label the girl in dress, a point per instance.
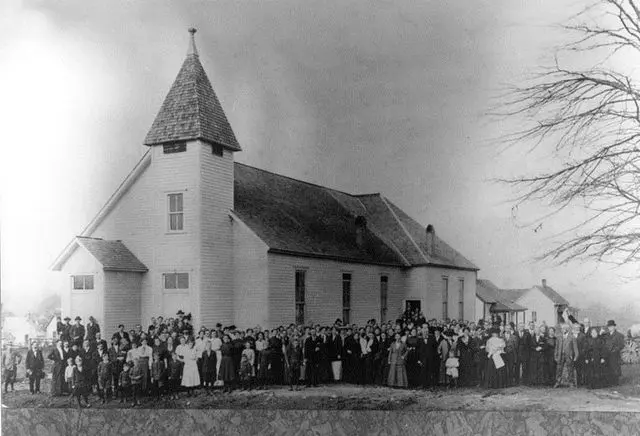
(396, 360)
(452, 365)
(251, 359)
(209, 365)
(190, 376)
(227, 371)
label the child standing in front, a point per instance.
(137, 373)
(104, 378)
(175, 376)
(250, 355)
(158, 375)
(124, 383)
(452, 365)
(68, 376)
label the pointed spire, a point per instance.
(192, 110)
(192, 43)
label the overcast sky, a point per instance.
(365, 96)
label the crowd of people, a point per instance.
(170, 358)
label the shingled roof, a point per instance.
(501, 299)
(192, 110)
(552, 295)
(296, 217)
(112, 255)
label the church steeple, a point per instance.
(191, 109)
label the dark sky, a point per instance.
(364, 96)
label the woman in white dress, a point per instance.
(190, 376)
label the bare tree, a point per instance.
(590, 120)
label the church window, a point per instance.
(217, 149)
(300, 295)
(82, 282)
(384, 291)
(176, 212)
(176, 280)
(346, 298)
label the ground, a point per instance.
(625, 397)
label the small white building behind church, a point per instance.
(191, 229)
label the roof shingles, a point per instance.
(192, 111)
(112, 255)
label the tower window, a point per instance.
(217, 149)
(176, 147)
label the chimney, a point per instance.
(361, 230)
(544, 283)
(431, 240)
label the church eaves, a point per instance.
(191, 109)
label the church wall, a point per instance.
(140, 220)
(323, 299)
(122, 301)
(251, 279)
(217, 236)
(83, 303)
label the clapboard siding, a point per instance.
(426, 284)
(216, 245)
(323, 300)
(535, 301)
(251, 281)
(81, 262)
(122, 301)
(140, 220)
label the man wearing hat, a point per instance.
(77, 332)
(65, 330)
(613, 345)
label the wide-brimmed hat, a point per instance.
(611, 323)
(78, 318)
(180, 312)
(67, 318)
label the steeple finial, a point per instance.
(192, 44)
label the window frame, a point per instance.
(445, 297)
(177, 275)
(84, 282)
(347, 279)
(534, 316)
(176, 213)
(460, 299)
(300, 289)
(384, 297)
(174, 147)
(217, 150)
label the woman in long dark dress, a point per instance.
(496, 369)
(594, 360)
(383, 352)
(549, 359)
(413, 370)
(466, 352)
(536, 358)
(227, 368)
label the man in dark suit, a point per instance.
(428, 360)
(566, 354)
(334, 354)
(65, 330)
(581, 341)
(613, 345)
(311, 358)
(121, 333)
(35, 368)
(524, 348)
(77, 332)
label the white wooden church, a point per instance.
(191, 229)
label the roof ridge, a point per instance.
(294, 179)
